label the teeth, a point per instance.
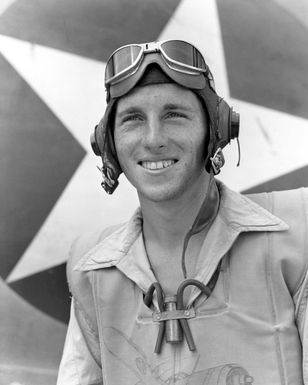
(157, 165)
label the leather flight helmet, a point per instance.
(222, 120)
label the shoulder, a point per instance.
(79, 248)
(289, 248)
(85, 242)
(290, 205)
(286, 202)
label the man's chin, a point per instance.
(159, 194)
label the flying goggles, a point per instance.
(180, 60)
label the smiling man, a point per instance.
(202, 285)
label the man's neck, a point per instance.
(165, 225)
(168, 222)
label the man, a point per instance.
(202, 285)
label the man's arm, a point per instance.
(301, 314)
(81, 360)
(77, 367)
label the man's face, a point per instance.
(159, 136)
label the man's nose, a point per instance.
(154, 135)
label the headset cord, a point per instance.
(205, 217)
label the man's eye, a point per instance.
(175, 114)
(130, 118)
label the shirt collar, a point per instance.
(243, 214)
(236, 214)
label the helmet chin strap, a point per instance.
(204, 218)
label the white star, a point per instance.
(4, 5)
(73, 89)
(272, 142)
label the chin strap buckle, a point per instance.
(217, 160)
(109, 184)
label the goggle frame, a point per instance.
(155, 47)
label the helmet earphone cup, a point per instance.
(102, 144)
(222, 123)
(224, 127)
(94, 143)
(228, 123)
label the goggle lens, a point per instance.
(121, 60)
(184, 53)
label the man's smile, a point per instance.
(157, 165)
